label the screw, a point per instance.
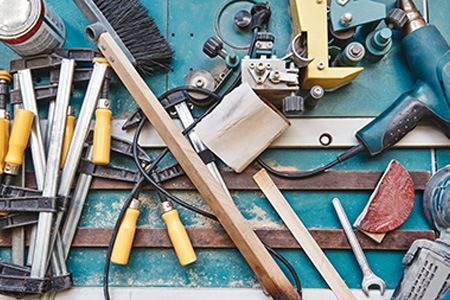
(260, 68)
(346, 19)
(317, 92)
(232, 58)
(321, 66)
(200, 82)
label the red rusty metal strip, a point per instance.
(358, 180)
(398, 240)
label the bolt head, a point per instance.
(321, 65)
(346, 19)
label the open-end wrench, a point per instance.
(369, 278)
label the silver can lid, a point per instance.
(18, 17)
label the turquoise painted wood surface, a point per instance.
(187, 24)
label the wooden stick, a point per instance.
(259, 259)
(302, 235)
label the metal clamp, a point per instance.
(15, 281)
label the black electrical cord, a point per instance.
(197, 210)
(133, 194)
(164, 193)
(138, 186)
(304, 174)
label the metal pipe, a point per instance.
(44, 228)
(50, 116)
(69, 171)
(186, 119)
(36, 141)
(76, 208)
(18, 234)
(25, 82)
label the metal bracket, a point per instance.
(18, 220)
(15, 281)
(122, 147)
(10, 191)
(53, 61)
(34, 204)
(122, 174)
(48, 92)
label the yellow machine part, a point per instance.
(310, 17)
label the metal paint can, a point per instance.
(30, 27)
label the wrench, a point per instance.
(369, 278)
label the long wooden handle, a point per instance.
(264, 266)
(302, 235)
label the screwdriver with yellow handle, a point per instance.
(5, 79)
(68, 133)
(102, 130)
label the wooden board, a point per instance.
(259, 259)
(399, 240)
(333, 180)
(301, 234)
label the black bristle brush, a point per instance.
(135, 29)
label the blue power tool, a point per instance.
(428, 56)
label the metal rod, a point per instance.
(69, 171)
(82, 128)
(186, 119)
(43, 246)
(51, 113)
(37, 144)
(18, 234)
(76, 208)
(426, 11)
(36, 140)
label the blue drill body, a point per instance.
(428, 56)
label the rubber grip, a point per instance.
(20, 134)
(180, 239)
(102, 137)
(125, 236)
(393, 124)
(4, 139)
(68, 133)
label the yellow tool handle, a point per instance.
(70, 126)
(4, 140)
(20, 134)
(125, 236)
(102, 137)
(179, 238)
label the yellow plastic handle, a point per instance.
(20, 134)
(179, 238)
(4, 140)
(70, 126)
(102, 137)
(125, 236)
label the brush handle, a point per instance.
(245, 239)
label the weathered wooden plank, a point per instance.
(398, 240)
(334, 180)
